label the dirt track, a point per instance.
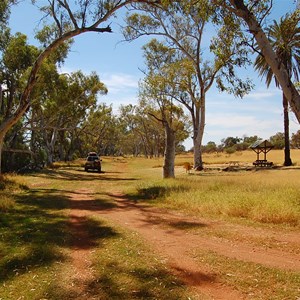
(162, 230)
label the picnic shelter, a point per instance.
(262, 146)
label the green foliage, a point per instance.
(144, 22)
(230, 141)
(18, 55)
(141, 131)
(295, 140)
(209, 147)
(5, 6)
(277, 140)
(284, 37)
(100, 131)
(63, 103)
(230, 144)
(16, 60)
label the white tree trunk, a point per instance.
(279, 70)
(199, 125)
(169, 157)
(198, 164)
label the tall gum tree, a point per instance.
(62, 106)
(284, 37)
(182, 26)
(69, 22)
(159, 90)
(253, 12)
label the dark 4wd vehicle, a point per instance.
(93, 162)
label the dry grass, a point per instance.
(9, 185)
(248, 156)
(254, 280)
(264, 196)
(6, 203)
(32, 261)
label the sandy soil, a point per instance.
(162, 230)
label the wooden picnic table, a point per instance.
(262, 163)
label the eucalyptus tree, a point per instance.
(159, 89)
(253, 13)
(66, 21)
(182, 25)
(141, 135)
(16, 57)
(99, 131)
(284, 37)
(63, 102)
(132, 138)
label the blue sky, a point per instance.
(118, 64)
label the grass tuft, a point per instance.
(160, 189)
(6, 203)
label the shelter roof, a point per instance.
(261, 144)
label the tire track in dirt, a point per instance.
(176, 246)
(174, 252)
(81, 246)
(148, 220)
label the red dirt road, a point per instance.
(162, 230)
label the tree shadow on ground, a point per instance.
(155, 192)
(60, 199)
(73, 175)
(34, 232)
(142, 281)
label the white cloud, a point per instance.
(263, 94)
(118, 83)
(222, 125)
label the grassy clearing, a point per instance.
(10, 185)
(263, 197)
(247, 156)
(254, 280)
(35, 243)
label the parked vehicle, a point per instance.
(93, 162)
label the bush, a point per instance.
(14, 162)
(230, 150)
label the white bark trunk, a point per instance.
(278, 69)
(169, 157)
(199, 125)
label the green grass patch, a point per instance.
(33, 236)
(254, 280)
